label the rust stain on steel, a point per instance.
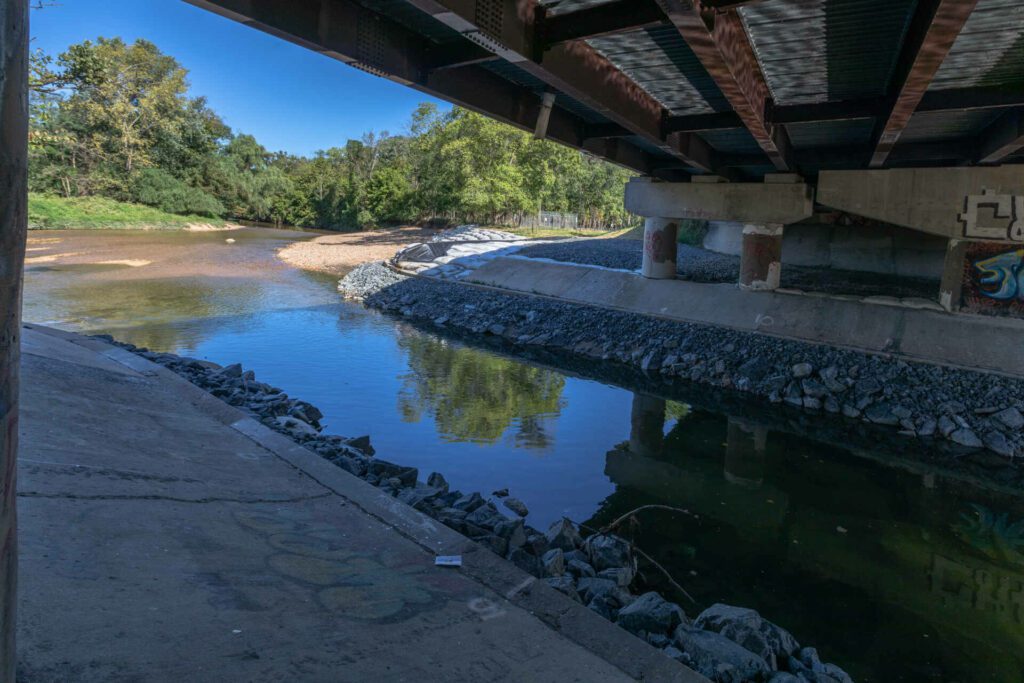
(949, 18)
(720, 42)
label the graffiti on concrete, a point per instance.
(994, 280)
(1007, 216)
(1000, 276)
(658, 243)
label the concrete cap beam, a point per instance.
(779, 203)
(969, 202)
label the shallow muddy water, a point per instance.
(896, 573)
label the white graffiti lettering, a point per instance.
(1006, 209)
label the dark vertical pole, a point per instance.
(13, 223)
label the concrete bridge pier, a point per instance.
(745, 446)
(761, 257)
(647, 425)
(660, 240)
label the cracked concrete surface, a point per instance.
(166, 537)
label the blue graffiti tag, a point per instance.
(1001, 276)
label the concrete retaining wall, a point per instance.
(880, 325)
(874, 249)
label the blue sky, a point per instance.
(290, 98)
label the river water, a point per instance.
(893, 571)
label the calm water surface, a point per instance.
(896, 575)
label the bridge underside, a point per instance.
(763, 113)
(674, 88)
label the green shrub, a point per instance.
(158, 188)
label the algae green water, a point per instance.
(895, 573)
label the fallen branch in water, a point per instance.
(631, 516)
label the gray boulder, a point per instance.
(580, 569)
(652, 613)
(517, 506)
(563, 534)
(590, 588)
(553, 562)
(564, 584)
(469, 503)
(718, 658)
(608, 552)
(747, 628)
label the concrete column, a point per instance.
(761, 258)
(647, 425)
(13, 223)
(953, 275)
(660, 248)
(745, 453)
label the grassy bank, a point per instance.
(47, 212)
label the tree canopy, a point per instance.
(116, 120)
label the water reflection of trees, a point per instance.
(475, 396)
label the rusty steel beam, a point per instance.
(512, 30)
(348, 32)
(1003, 138)
(933, 30)
(961, 99)
(602, 20)
(720, 42)
(14, 40)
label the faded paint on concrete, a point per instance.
(168, 537)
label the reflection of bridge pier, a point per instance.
(647, 425)
(745, 453)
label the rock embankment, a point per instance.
(725, 643)
(962, 409)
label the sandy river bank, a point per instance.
(340, 253)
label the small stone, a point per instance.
(946, 425)
(997, 442)
(1011, 417)
(517, 506)
(801, 370)
(850, 411)
(811, 403)
(500, 493)
(926, 427)
(813, 388)
(881, 413)
(966, 437)
(867, 387)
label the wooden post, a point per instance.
(13, 223)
